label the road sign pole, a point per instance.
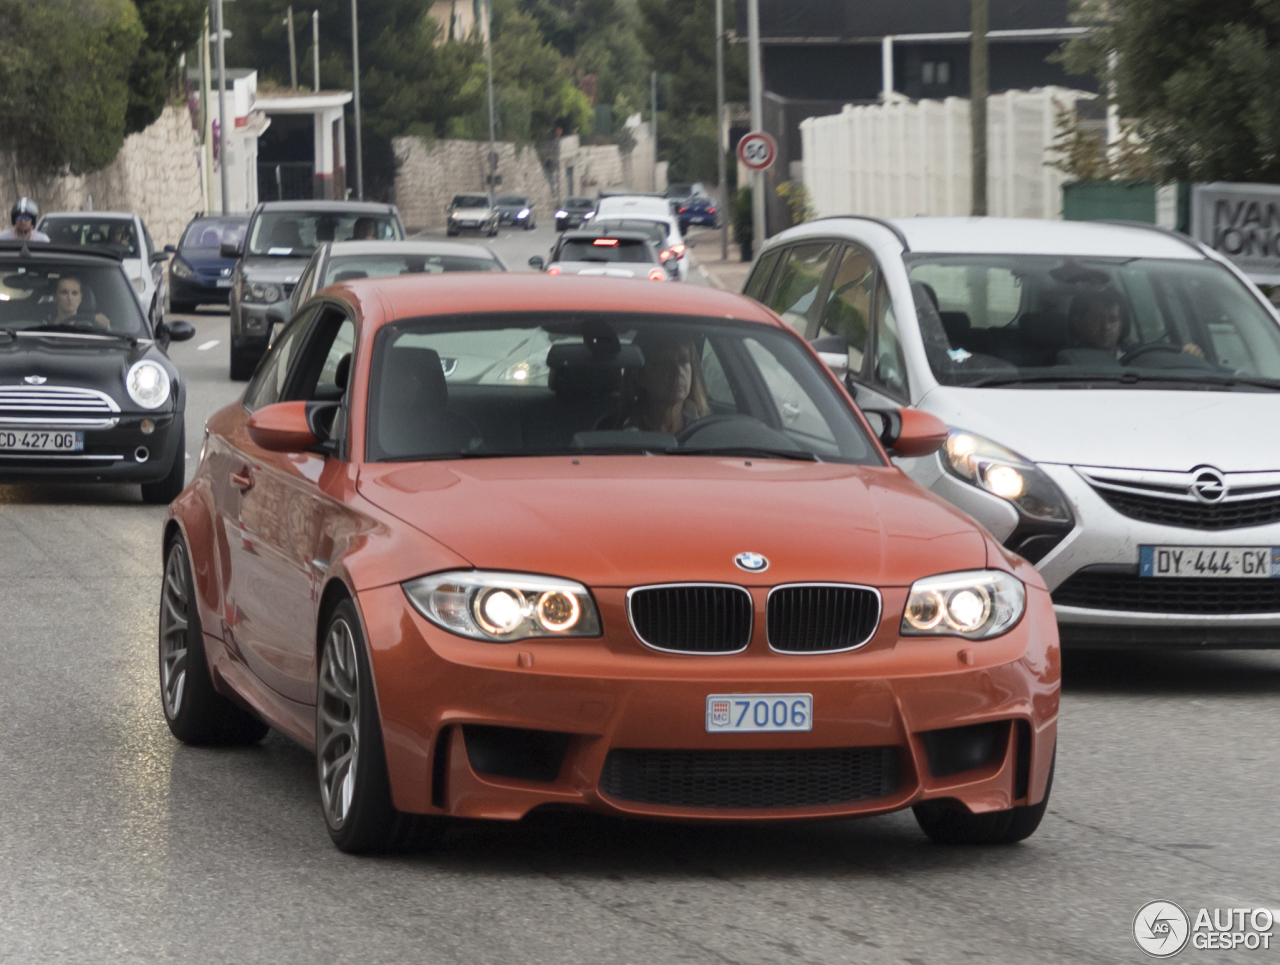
(757, 120)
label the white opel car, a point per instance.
(126, 235)
(1113, 394)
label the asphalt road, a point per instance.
(117, 844)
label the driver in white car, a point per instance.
(1097, 320)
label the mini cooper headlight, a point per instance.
(976, 605)
(504, 607)
(181, 269)
(982, 463)
(148, 384)
(255, 292)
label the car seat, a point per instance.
(350, 274)
(285, 234)
(413, 414)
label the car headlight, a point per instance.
(982, 463)
(975, 605)
(181, 270)
(504, 607)
(562, 214)
(148, 384)
(523, 213)
(255, 292)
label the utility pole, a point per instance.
(293, 52)
(355, 74)
(721, 147)
(315, 50)
(222, 111)
(979, 87)
(488, 59)
(757, 120)
(206, 118)
(653, 127)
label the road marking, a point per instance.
(209, 344)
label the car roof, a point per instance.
(1020, 236)
(35, 249)
(94, 215)
(413, 296)
(339, 248)
(368, 207)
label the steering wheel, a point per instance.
(1142, 350)
(719, 418)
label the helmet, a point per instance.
(24, 206)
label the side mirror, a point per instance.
(229, 249)
(171, 249)
(177, 330)
(536, 262)
(908, 432)
(282, 427)
(834, 352)
(160, 256)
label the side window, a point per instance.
(796, 410)
(795, 293)
(334, 375)
(890, 363)
(848, 309)
(760, 276)
(719, 392)
(151, 245)
(269, 381)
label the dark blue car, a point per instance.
(696, 209)
(198, 274)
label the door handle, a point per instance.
(243, 480)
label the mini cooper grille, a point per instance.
(692, 618)
(750, 779)
(812, 619)
(1109, 590)
(1233, 514)
(56, 405)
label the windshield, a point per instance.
(655, 231)
(679, 190)
(580, 204)
(347, 267)
(95, 299)
(607, 250)
(470, 201)
(1006, 320)
(114, 234)
(212, 232)
(538, 384)
(513, 200)
(295, 234)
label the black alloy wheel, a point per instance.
(195, 712)
(164, 491)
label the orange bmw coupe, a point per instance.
(490, 545)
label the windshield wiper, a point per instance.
(759, 452)
(1125, 378)
(78, 330)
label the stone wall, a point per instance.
(156, 174)
(430, 174)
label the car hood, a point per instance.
(635, 520)
(274, 268)
(93, 363)
(471, 212)
(1120, 428)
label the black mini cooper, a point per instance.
(86, 389)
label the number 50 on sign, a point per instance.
(757, 150)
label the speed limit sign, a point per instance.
(758, 150)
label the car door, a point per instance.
(267, 522)
(845, 321)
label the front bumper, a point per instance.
(250, 329)
(437, 691)
(110, 455)
(198, 291)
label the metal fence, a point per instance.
(286, 181)
(906, 158)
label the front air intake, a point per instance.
(692, 617)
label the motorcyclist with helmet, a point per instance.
(23, 216)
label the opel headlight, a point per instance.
(976, 605)
(982, 463)
(181, 270)
(504, 607)
(255, 292)
(148, 384)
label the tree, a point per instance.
(172, 27)
(64, 68)
(1194, 75)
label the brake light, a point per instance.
(606, 242)
(553, 270)
(656, 274)
(684, 208)
(678, 250)
(711, 211)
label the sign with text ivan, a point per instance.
(1242, 222)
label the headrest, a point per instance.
(210, 238)
(414, 377)
(285, 234)
(957, 326)
(342, 374)
(350, 274)
(1046, 328)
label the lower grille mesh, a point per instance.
(750, 779)
(1109, 590)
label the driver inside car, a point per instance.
(67, 299)
(668, 393)
(1097, 322)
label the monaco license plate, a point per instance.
(741, 713)
(1210, 562)
(39, 440)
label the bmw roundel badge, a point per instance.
(751, 562)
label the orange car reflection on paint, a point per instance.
(490, 546)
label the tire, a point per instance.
(451, 232)
(493, 232)
(165, 491)
(242, 365)
(195, 712)
(948, 822)
(351, 763)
